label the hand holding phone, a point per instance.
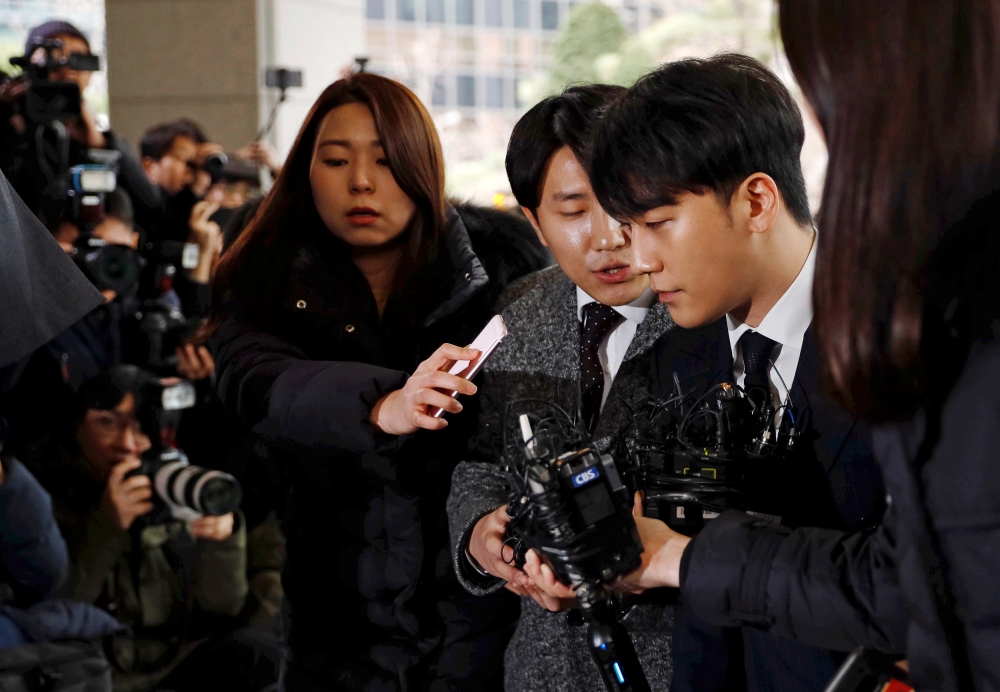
(486, 343)
(435, 385)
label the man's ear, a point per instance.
(147, 165)
(758, 202)
(534, 224)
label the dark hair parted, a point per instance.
(908, 96)
(159, 139)
(566, 120)
(253, 272)
(699, 126)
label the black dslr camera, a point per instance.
(224, 167)
(567, 502)
(153, 333)
(181, 491)
(695, 456)
(78, 195)
(46, 100)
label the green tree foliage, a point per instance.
(592, 45)
(593, 30)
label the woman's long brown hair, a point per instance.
(252, 274)
(908, 96)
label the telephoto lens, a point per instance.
(205, 491)
(182, 491)
(216, 163)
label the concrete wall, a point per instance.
(193, 58)
(205, 59)
(320, 37)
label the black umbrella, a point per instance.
(41, 291)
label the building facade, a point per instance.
(471, 62)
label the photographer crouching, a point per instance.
(129, 509)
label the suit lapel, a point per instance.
(831, 424)
(632, 383)
(656, 324)
(698, 357)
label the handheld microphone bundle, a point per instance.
(694, 456)
(567, 502)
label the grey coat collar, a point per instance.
(551, 309)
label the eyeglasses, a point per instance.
(109, 424)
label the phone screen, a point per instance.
(486, 343)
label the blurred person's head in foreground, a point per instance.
(73, 43)
(366, 171)
(701, 160)
(546, 164)
(908, 100)
(172, 154)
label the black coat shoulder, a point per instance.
(506, 244)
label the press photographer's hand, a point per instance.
(85, 130)
(207, 234)
(404, 411)
(213, 528)
(126, 499)
(194, 362)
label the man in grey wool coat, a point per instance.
(580, 336)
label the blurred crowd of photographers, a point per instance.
(101, 413)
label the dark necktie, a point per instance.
(756, 356)
(598, 320)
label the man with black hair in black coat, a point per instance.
(701, 159)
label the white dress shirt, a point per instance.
(786, 323)
(614, 346)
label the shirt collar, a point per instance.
(789, 318)
(634, 311)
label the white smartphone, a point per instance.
(486, 343)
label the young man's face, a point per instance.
(592, 249)
(697, 257)
(176, 170)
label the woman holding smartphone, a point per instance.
(336, 311)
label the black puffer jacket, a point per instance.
(926, 583)
(373, 600)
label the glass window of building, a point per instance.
(494, 92)
(406, 10)
(522, 14)
(439, 93)
(435, 10)
(550, 14)
(376, 9)
(465, 91)
(494, 13)
(464, 12)
(630, 17)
